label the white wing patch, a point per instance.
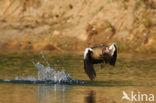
(86, 52)
(112, 49)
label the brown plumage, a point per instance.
(98, 54)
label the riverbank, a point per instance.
(64, 26)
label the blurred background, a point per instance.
(72, 25)
(60, 28)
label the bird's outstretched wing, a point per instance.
(89, 69)
(89, 66)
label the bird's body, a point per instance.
(99, 54)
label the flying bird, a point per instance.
(99, 54)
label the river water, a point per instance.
(60, 78)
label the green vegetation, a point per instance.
(123, 47)
(112, 27)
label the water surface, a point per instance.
(133, 72)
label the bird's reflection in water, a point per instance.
(91, 97)
(51, 93)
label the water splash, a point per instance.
(46, 73)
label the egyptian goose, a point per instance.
(99, 54)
